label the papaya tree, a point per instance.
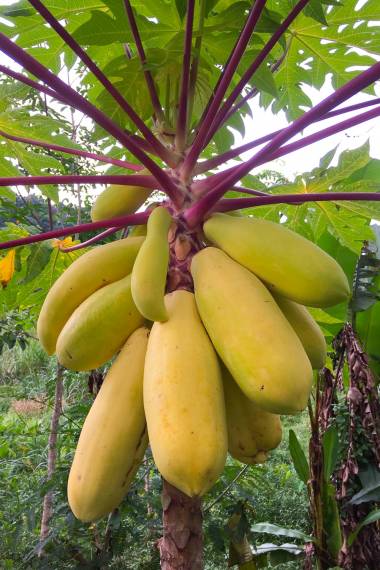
(204, 300)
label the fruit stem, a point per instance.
(234, 152)
(115, 94)
(130, 220)
(221, 89)
(147, 74)
(73, 151)
(77, 101)
(255, 66)
(181, 132)
(229, 205)
(145, 181)
(90, 241)
(230, 176)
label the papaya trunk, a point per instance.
(181, 546)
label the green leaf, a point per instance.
(299, 458)
(370, 480)
(276, 530)
(372, 517)
(37, 260)
(331, 520)
(330, 444)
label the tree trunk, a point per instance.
(47, 509)
(181, 547)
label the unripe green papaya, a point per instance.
(118, 200)
(289, 264)
(307, 330)
(183, 399)
(149, 272)
(99, 327)
(251, 334)
(93, 270)
(114, 437)
(252, 432)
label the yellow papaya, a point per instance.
(137, 230)
(251, 334)
(113, 439)
(99, 327)
(149, 272)
(118, 200)
(307, 330)
(289, 264)
(96, 268)
(183, 399)
(252, 432)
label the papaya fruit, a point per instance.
(113, 439)
(289, 264)
(118, 200)
(149, 272)
(99, 327)
(250, 333)
(94, 269)
(183, 399)
(306, 329)
(252, 432)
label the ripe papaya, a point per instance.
(251, 334)
(183, 399)
(96, 268)
(118, 200)
(252, 432)
(113, 439)
(307, 330)
(99, 327)
(149, 272)
(289, 264)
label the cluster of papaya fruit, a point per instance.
(200, 371)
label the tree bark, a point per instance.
(47, 509)
(181, 547)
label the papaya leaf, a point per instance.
(331, 519)
(37, 260)
(330, 443)
(372, 517)
(276, 530)
(370, 480)
(299, 458)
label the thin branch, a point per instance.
(34, 84)
(117, 96)
(244, 190)
(234, 152)
(272, 150)
(76, 100)
(201, 187)
(225, 81)
(181, 131)
(90, 241)
(147, 74)
(226, 489)
(136, 219)
(196, 59)
(218, 123)
(47, 509)
(228, 205)
(144, 181)
(73, 151)
(259, 60)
